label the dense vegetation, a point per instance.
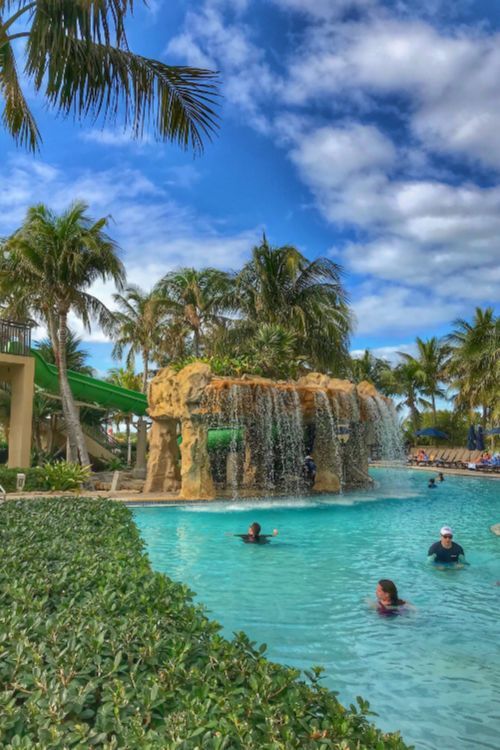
(99, 651)
(280, 316)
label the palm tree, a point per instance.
(474, 366)
(369, 368)
(76, 356)
(138, 325)
(125, 378)
(280, 286)
(197, 298)
(51, 263)
(406, 380)
(76, 53)
(432, 358)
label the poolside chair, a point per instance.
(450, 458)
(440, 456)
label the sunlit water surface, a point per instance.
(434, 674)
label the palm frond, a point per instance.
(17, 117)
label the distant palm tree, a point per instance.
(76, 54)
(51, 263)
(474, 366)
(125, 378)
(197, 298)
(369, 368)
(138, 325)
(432, 358)
(279, 285)
(76, 355)
(407, 381)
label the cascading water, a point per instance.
(327, 439)
(387, 429)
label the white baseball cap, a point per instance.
(446, 530)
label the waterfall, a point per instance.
(387, 429)
(327, 439)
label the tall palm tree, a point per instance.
(432, 358)
(198, 298)
(76, 355)
(279, 285)
(474, 366)
(138, 325)
(76, 54)
(51, 263)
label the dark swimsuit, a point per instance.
(261, 539)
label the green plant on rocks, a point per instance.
(98, 651)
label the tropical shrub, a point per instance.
(100, 652)
(64, 475)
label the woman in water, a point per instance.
(254, 536)
(388, 601)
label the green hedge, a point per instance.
(34, 479)
(98, 651)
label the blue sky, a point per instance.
(363, 130)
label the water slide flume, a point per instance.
(94, 391)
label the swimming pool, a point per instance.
(434, 674)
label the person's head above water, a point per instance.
(446, 535)
(387, 593)
(254, 530)
(432, 482)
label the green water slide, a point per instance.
(109, 396)
(90, 390)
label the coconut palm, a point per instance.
(52, 261)
(198, 298)
(406, 380)
(474, 366)
(368, 368)
(280, 286)
(432, 358)
(138, 326)
(125, 378)
(76, 355)
(76, 55)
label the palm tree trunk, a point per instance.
(129, 442)
(54, 337)
(145, 372)
(75, 432)
(433, 402)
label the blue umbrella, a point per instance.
(432, 432)
(480, 439)
(471, 439)
(494, 431)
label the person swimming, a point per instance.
(388, 602)
(432, 484)
(253, 536)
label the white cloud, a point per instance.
(209, 41)
(116, 138)
(397, 310)
(389, 353)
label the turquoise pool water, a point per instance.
(434, 674)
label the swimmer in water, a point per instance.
(441, 476)
(432, 484)
(388, 601)
(253, 536)
(446, 550)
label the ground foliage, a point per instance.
(98, 651)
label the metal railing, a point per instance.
(15, 338)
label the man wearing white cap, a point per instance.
(446, 550)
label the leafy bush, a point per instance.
(34, 479)
(64, 475)
(100, 652)
(115, 464)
